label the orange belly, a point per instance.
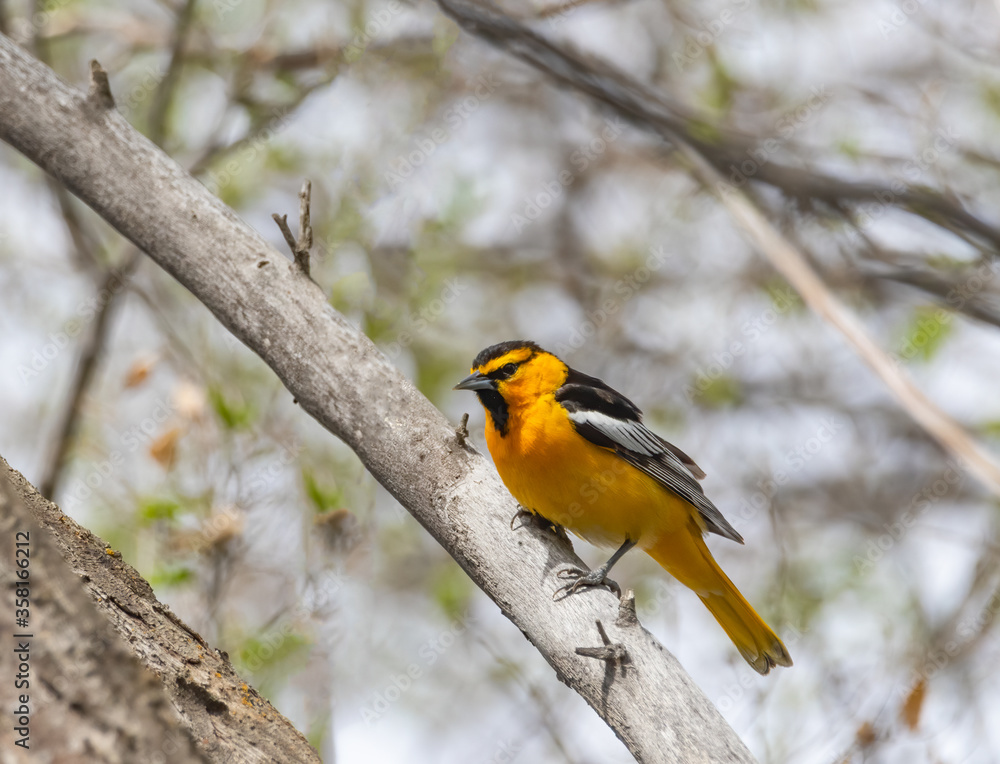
(568, 480)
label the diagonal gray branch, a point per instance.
(341, 379)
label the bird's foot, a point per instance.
(527, 517)
(521, 514)
(581, 579)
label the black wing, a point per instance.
(607, 418)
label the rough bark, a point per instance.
(115, 675)
(341, 379)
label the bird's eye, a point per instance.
(508, 369)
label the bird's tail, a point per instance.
(685, 556)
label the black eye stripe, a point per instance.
(504, 372)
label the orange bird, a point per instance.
(574, 451)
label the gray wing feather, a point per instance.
(648, 452)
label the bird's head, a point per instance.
(512, 374)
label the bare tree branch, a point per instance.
(165, 92)
(951, 295)
(113, 287)
(340, 378)
(652, 110)
(791, 264)
(100, 98)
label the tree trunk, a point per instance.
(111, 674)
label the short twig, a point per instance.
(462, 431)
(300, 248)
(305, 227)
(614, 653)
(626, 610)
(100, 89)
(282, 221)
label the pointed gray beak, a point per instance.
(475, 381)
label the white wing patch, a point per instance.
(642, 449)
(630, 435)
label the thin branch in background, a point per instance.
(275, 117)
(898, 267)
(100, 97)
(791, 264)
(39, 42)
(165, 92)
(943, 290)
(667, 117)
(114, 285)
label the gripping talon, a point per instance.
(521, 513)
(584, 579)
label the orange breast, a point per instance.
(568, 480)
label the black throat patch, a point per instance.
(494, 403)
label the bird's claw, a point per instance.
(520, 515)
(583, 579)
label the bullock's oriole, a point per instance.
(575, 451)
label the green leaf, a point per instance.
(273, 655)
(991, 97)
(445, 35)
(324, 497)
(170, 576)
(849, 147)
(719, 392)
(451, 590)
(926, 333)
(722, 86)
(153, 510)
(234, 413)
